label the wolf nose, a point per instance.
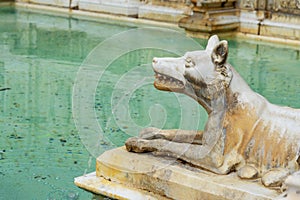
(154, 61)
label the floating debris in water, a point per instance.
(3, 89)
(62, 140)
(40, 177)
(2, 154)
(15, 136)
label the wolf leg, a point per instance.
(175, 135)
(198, 155)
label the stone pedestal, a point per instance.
(211, 17)
(123, 175)
(118, 7)
(205, 24)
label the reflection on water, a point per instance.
(40, 148)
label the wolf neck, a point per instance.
(240, 92)
(238, 84)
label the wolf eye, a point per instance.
(189, 62)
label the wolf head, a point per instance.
(202, 75)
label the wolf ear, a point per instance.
(212, 42)
(219, 57)
(220, 52)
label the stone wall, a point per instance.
(283, 6)
(56, 3)
(202, 18)
(276, 18)
(166, 10)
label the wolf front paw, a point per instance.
(138, 145)
(150, 133)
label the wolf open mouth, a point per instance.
(168, 83)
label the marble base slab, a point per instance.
(59, 3)
(164, 13)
(101, 186)
(166, 179)
(117, 7)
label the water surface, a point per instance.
(40, 57)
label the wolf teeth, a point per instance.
(167, 79)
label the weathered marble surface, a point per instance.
(59, 3)
(164, 13)
(167, 178)
(203, 18)
(119, 7)
(210, 17)
(275, 18)
(287, 6)
(169, 11)
(101, 186)
(293, 187)
(244, 131)
(204, 24)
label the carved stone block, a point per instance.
(124, 175)
(166, 10)
(119, 7)
(62, 3)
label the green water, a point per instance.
(64, 106)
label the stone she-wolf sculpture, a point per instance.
(244, 132)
